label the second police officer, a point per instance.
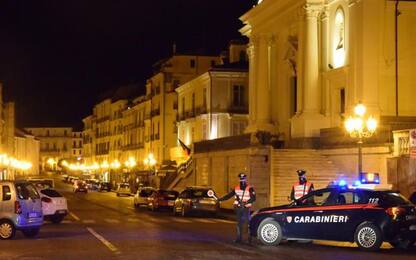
(244, 196)
(301, 187)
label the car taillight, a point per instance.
(46, 199)
(17, 208)
(396, 212)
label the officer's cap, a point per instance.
(242, 176)
(301, 172)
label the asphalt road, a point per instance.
(104, 226)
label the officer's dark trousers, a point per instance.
(243, 218)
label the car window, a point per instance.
(145, 193)
(51, 193)
(317, 198)
(199, 194)
(7, 194)
(168, 193)
(391, 199)
(26, 191)
(124, 186)
(184, 195)
(350, 197)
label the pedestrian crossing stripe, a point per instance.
(88, 221)
(205, 221)
(182, 220)
(226, 221)
(110, 220)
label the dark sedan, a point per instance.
(195, 200)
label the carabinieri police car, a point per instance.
(340, 213)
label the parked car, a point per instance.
(141, 196)
(123, 189)
(161, 199)
(80, 186)
(54, 205)
(104, 186)
(20, 209)
(92, 184)
(412, 198)
(195, 200)
(65, 178)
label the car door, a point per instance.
(303, 218)
(6, 204)
(346, 213)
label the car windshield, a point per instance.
(392, 199)
(199, 194)
(51, 193)
(145, 193)
(42, 183)
(124, 186)
(26, 191)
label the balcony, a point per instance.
(50, 150)
(157, 136)
(132, 146)
(102, 119)
(401, 142)
(147, 116)
(200, 110)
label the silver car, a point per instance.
(20, 209)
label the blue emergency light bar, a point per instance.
(369, 178)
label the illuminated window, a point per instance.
(339, 38)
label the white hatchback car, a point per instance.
(141, 196)
(54, 205)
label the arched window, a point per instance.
(339, 38)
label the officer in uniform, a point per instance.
(244, 195)
(302, 187)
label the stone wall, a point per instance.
(402, 174)
(219, 170)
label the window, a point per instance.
(7, 195)
(47, 133)
(339, 38)
(238, 95)
(342, 100)
(74, 144)
(243, 56)
(65, 133)
(315, 198)
(183, 106)
(74, 152)
(349, 197)
(176, 83)
(192, 63)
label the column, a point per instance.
(311, 62)
(309, 121)
(260, 80)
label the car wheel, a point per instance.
(118, 195)
(30, 232)
(7, 230)
(269, 232)
(368, 237)
(57, 219)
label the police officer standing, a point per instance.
(302, 187)
(244, 195)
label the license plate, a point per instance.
(33, 215)
(170, 203)
(412, 227)
(61, 211)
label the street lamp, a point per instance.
(359, 126)
(150, 161)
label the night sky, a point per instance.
(57, 57)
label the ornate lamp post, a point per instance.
(360, 126)
(150, 161)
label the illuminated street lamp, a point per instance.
(150, 162)
(359, 126)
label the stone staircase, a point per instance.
(320, 170)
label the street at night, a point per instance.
(104, 226)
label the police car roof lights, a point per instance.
(369, 178)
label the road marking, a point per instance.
(225, 221)
(88, 221)
(131, 208)
(133, 220)
(66, 221)
(104, 241)
(205, 220)
(112, 221)
(74, 216)
(182, 220)
(158, 220)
